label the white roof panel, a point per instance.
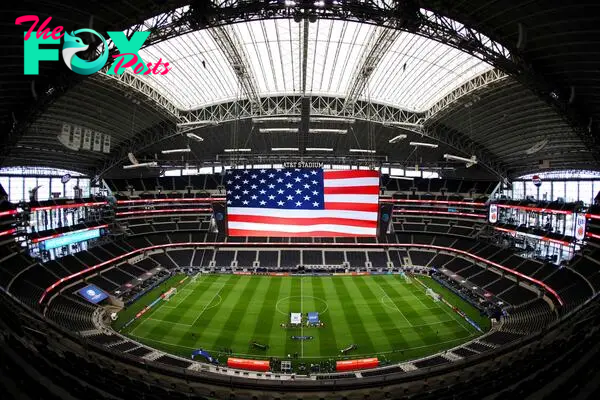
(413, 74)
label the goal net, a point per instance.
(405, 276)
(434, 295)
(169, 293)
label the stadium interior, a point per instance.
(444, 241)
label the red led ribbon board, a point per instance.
(352, 365)
(252, 365)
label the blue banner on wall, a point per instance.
(93, 294)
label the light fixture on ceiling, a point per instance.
(284, 149)
(172, 151)
(194, 137)
(193, 123)
(398, 138)
(237, 150)
(404, 178)
(319, 149)
(325, 130)
(421, 144)
(262, 120)
(470, 161)
(340, 120)
(278, 130)
(142, 165)
(362, 151)
(537, 147)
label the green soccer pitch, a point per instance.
(384, 315)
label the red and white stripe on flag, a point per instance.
(350, 208)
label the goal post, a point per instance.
(405, 276)
(436, 297)
(166, 296)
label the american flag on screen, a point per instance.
(302, 202)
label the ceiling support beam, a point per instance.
(380, 42)
(466, 147)
(305, 102)
(427, 23)
(136, 144)
(292, 106)
(484, 80)
(234, 53)
(127, 82)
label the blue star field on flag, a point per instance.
(292, 189)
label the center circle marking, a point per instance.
(302, 297)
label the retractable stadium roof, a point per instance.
(490, 79)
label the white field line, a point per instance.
(301, 322)
(207, 304)
(187, 295)
(153, 310)
(162, 321)
(357, 355)
(401, 313)
(168, 322)
(453, 316)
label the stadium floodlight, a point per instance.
(398, 138)
(195, 137)
(362, 151)
(333, 119)
(172, 151)
(319, 149)
(278, 130)
(325, 130)
(275, 119)
(470, 161)
(284, 149)
(237, 150)
(421, 144)
(404, 178)
(142, 165)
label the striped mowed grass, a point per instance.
(384, 315)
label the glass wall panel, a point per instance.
(518, 190)
(56, 186)
(84, 185)
(44, 188)
(69, 192)
(546, 190)
(572, 191)
(531, 189)
(16, 189)
(30, 183)
(585, 192)
(558, 190)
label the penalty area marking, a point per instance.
(386, 300)
(206, 307)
